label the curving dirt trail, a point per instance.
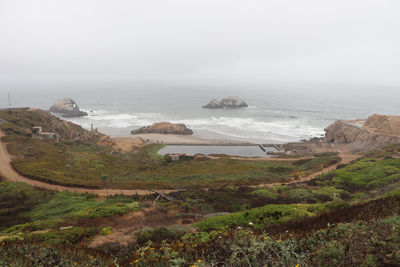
(346, 158)
(10, 174)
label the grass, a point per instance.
(70, 166)
(366, 174)
(36, 215)
(78, 206)
(36, 254)
(278, 225)
(364, 243)
(17, 200)
(261, 217)
(91, 165)
(300, 194)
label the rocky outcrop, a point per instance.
(228, 102)
(213, 104)
(67, 108)
(164, 128)
(233, 102)
(383, 124)
(64, 131)
(358, 139)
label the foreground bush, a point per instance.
(30, 255)
(373, 243)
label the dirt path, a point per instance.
(11, 175)
(346, 158)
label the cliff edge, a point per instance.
(365, 135)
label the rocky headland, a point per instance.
(164, 128)
(365, 135)
(228, 102)
(47, 126)
(351, 137)
(67, 108)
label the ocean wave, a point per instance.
(107, 119)
(287, 129)
(95, 112)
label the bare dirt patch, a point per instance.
(124, 226)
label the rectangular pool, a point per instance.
(241, 151)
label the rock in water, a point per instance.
(213, 104)
(164, 128)
(67, 108)
(233, 102)
(229, 102)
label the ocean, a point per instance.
(275, 114)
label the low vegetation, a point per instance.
(261, 217)
(17, 200)
(78, 206)
(347, 217)
(91, 165)
(366, 174)
(34, 215)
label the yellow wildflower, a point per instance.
(279, 241)
(199, 261)
(266, 237)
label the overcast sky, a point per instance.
(354, 41)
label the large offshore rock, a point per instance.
(67, 108)
(164, 128)
(233, 102)
(213, 104)
(228, 102)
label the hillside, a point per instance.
(84, 161)
(308, 211)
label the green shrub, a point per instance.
(331, 254)
(161, 233)
(144, 236)
(259, 217)
(265, 192)
(17, 199)
(367, 174)
(68, 236)
(106, 230)
(79, 206)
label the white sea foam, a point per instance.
(245, 128)
(248, 127)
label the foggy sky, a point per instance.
(200, 40)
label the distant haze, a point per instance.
(200, 42)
